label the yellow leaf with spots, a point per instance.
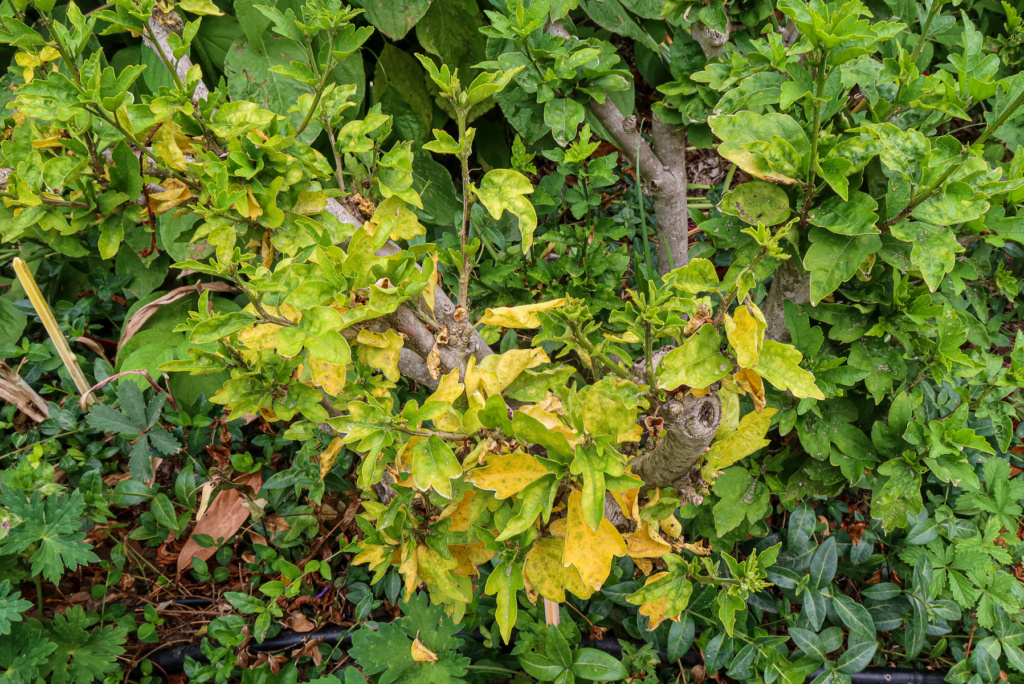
(745, 331)
(420, 653)
(469, 557)
(590, 551)
(380, 350)
(645, 542)
(747, 438)
(544, 572)
(330, 377)
(396, 217)
(448, 389)
(462, 512)
(434, 465)
(507, 474)
(430, 291)
(780, 365)
(519, 316)
(437, 572)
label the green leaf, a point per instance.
(51, 527)
(597, 666)
(11, 607)
(741, 496)
(954, 204)
(319, 332)
(451, 30)
(853, 217)
(394, 18)
(934, 249)
(854, 615)
(540, 666)
(697, 363)
(808, 642)
(899, 497)
(779, 364)
(857, 656)
(505, 189)
(247, 67)
(84, 653)
(218, 327)
(757, 202)
(833, 259)
(434, 465)
(504, 583)
(564, 116)
(764, 145)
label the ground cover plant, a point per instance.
(495, 333)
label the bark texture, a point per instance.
(690, 425)
(710, 40)
(792, 284)
(163, 25)
(663, 168)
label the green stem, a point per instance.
(593, 351)
(39, 596)
(467, 265)
(815, 134)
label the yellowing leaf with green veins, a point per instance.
(780, 365)
(697, 363)
(497, 371)
(519, 316)
(505, 189)
(438, 573)
(503, 583)
(745, 331)
(318, 331)
(699, 275)
(664, 596)
(544, 572)
(394, 215)
(748, 437)
(330, 377)
(590, 551)
(381, 350)
(507, 474)
(434, 465)
(200, 7)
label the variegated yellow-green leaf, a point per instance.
(507, 474)
(698, 275)
(590, 551)
(698, 363)
(503, 189)
(519, 316)
(434, 465)
(745, 331)
(381, 350)
(780, 365)
(663, 597)
(545, 573)
(747, 438)
(503, 583)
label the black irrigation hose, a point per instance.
(172, 660)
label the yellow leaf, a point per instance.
(745, 440)
(552, 422)
(461, 513)
(434, 465)
(409, 568)
(420, 653)
(431, 289)
(373, 556)
(507, 474)
(519, 316)
(448, 389)
(646, 543)
(329, 455)
(745, 330)
(590, 551)
(780, 365)
(751, 383)
(381, 350)
(544, 572)
(175, 192)
(469, 557)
